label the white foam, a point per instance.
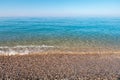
(22, 50)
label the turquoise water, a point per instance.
(59, 32)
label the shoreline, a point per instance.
(67, 52)
(44, 49)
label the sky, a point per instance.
(59, 8)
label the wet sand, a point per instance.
(60, 67)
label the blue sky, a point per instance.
(59, 7)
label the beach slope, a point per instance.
(60, 67)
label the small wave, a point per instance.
(22, 50)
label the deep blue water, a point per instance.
(75, 32)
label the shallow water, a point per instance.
(59, 32)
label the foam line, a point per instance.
(21, 50)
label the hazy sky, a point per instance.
(59, 7)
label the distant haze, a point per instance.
(59, 8)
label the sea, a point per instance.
(25, 35)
